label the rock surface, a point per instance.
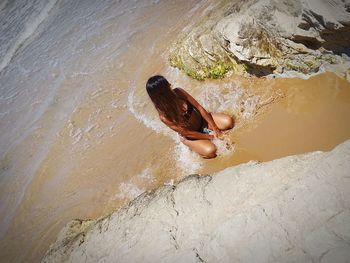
(267, 36)
(295, 209)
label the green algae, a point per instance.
(176, 62)
(297, 68)
(215, 70)
(219, 70)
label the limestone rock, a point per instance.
(268, 36)
(295, 209)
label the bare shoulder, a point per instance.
(188, 97)
(179, 90)
(182, 93)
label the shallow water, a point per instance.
(79, 137)
(307, 115)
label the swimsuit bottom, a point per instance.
(204, 128)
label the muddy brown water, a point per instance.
(311, 115)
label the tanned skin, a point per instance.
(195, 119)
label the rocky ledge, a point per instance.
(267, 36)
(295, 209)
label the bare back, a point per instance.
(194, 118)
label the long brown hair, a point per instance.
(166, 101)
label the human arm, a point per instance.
(207, 116)
(186, 132)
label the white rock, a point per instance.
(295, 209)
(268, 36)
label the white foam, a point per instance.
(128, 191)
(249, 107)
(187, 160)
(170, 182)
(30, 28)
(151, 122)
(224, 146)
(221, 98)
(147, 175)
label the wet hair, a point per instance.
(165, 99)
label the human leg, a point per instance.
(223, 121)
(205, 148)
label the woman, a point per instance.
(182, 113)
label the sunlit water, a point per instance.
(79, 136)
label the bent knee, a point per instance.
(229, 122)
(209, 151)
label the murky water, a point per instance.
(79, 137)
